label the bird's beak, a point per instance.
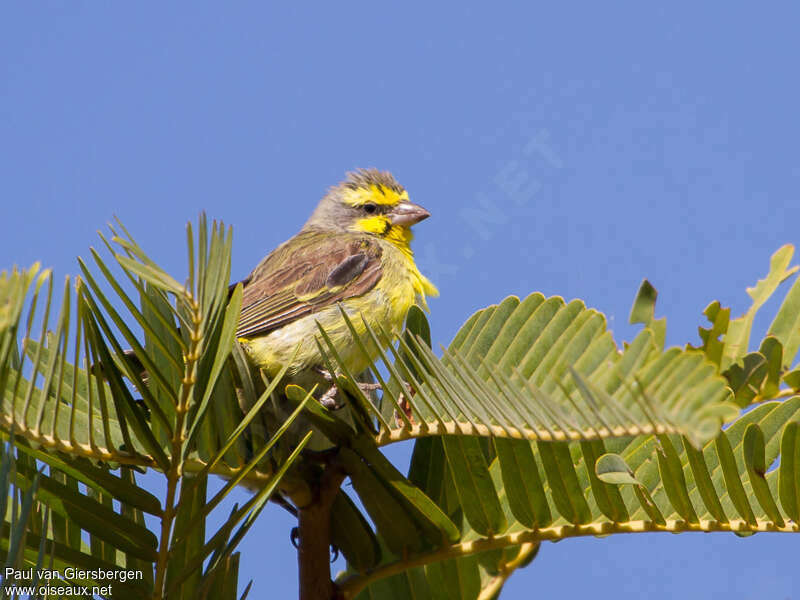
(407, 214)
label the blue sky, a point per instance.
(571, 149)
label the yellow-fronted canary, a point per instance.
(354, 252)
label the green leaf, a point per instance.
(703, 483)
(608, 498)
(523, 483)
(612, 468)
(789, 472)
(19, 520)
(738, 337)
(745, 378)
(643, 311)
(474, 485)
(223, 350)
(720, 319)
(417, 324)
(351, 533)
(430, 519)
(251, 507)
(671, 470)
(429, 471)
(545, 352)
(395, 525)
(122, 398)
(152, 275)
(786, 325)
(792, 379)
(754, 457)
(92, 515)
(189, 534)
(564, 484)
(101, 479)
(732, 481)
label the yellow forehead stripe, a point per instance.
(378, 194)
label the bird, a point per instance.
(353, 255)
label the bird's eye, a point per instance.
(370, 208)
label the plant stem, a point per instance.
(353, 585)
(496, 583)
(166, 529)
(175, 472)
(314, 529)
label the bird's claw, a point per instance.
(328, 399)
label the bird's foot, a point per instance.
(329, 398)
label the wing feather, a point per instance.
(310, 272)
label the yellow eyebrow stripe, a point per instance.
(378, 194)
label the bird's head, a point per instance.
(372, 202)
